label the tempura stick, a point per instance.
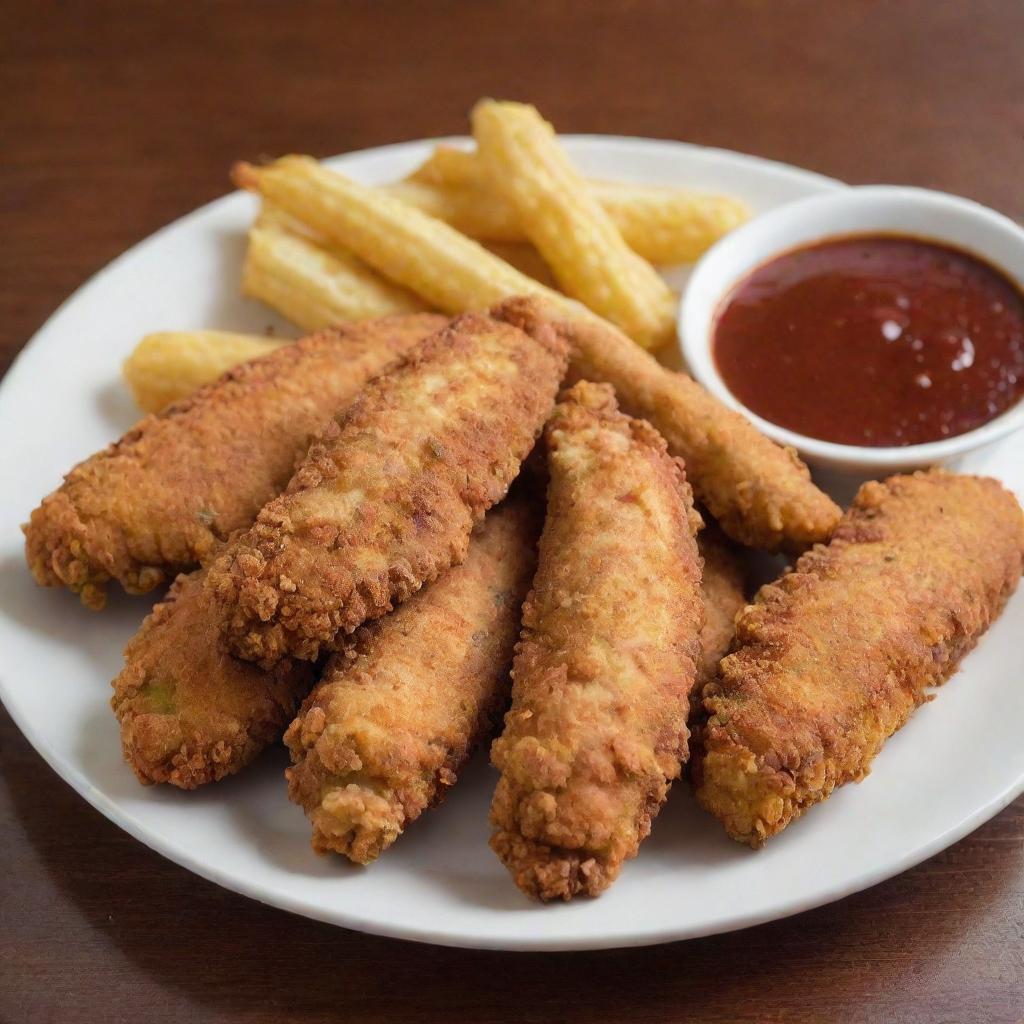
(834, 657)
(159, 500)
(388, 497)
(760, 493)
(384, 734)
(609, 651)
(190, 713)
(570, 229)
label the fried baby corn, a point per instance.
(190, 713)
(569, 227)
(760, 493)
(158, 501)
(609, 652)
(311, 283)
(477, 212)
(170, 365)
(384, 734)
(387, 498)
(314, 283)
(660, 223)
(833, 658)
(419, 251)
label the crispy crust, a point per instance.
(157, 501)
(383, 736)
(608, 655)
(760, 493)
(387, 498)
(834, 657)
(190, 713)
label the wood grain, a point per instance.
(118, 118)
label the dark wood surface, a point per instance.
(117, 118)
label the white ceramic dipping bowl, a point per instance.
(874, 209)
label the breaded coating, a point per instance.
(833, 658)
(189, 712)
(157, 501)
(388, 496)
(721, 587)
(382, 737)
(760, 493)
(609, 652)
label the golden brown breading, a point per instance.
(388, 497)
(382, 737)
(833, 658)
(610, 646)
(760, 493)
(157, 501)
(190, 713)
(721, 587)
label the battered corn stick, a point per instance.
(168, 366)
(311, 284)
(296, 273)
(721, 587)
(833, 658)
(573, 233)
(481, 214)
(663, 224)
(477, 212)
(274, 217)
(452, 166)
(668, 225)
(388, 497)
(397, 713)
(608, 655)
(420, 252)
(159, 500)
(760, 493)
(191, 714)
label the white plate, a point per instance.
(956, 764)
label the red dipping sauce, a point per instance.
(874, 340)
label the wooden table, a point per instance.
(118, 118)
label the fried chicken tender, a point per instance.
(157, 501)
(609, 652)
(833, 658)
(189, 712)
(388, 497)
(382, 737)
(760, 493)
(721, 587)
